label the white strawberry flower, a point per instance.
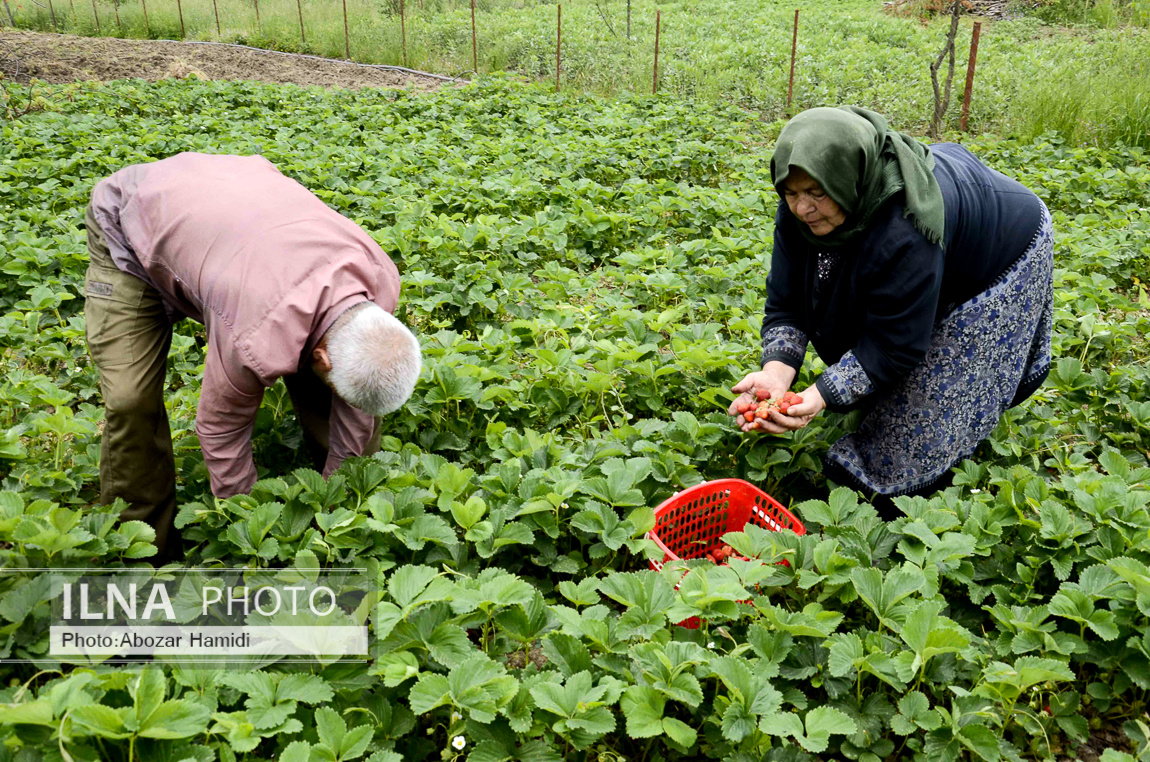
(456, 716)
(459, 742)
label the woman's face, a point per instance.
(810, 204)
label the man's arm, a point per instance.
(225, 419)
(350, 434)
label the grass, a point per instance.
(1106, 104)
(1089, 83)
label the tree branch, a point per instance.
(942, 93)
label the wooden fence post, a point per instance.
(147, 24)
(259, 26)
(116, 5)
(558, 44)
(53, 12)
(655, 78)
(180, 8)
(970, 75)
(794, 48)
(216, 9)
(302, 34)
(94, 13)
(474, 43)
(346, 34)
(403, 32)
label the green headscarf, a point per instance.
(861, 163)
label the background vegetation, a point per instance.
(1089, 79)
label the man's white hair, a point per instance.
(375, 359)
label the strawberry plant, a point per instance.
(578, 272)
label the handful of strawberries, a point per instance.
(751, 411)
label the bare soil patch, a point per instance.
(58, 58)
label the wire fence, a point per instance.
(285, 26)
(449, 36)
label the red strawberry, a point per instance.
(762, 394)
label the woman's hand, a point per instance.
(797, 416)
(775, 377)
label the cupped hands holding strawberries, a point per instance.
(765, 402)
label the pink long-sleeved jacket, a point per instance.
(265, 265)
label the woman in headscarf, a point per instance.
(924, 281)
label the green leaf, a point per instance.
(69, 693)
(330, 727)
(307, 689)
(385, 756)
(18, 602)
(823, 722)
(149, 691)
(643, 706)
(409, 581)
(738, 722)
(680, 732)
(586, 593)
(396, 667)
(296, 751)
(596, 721)
(785, 724)
(567, 652)
(180, 718)
(101, 720)
(1133, 571)
(845, 650)
(429, 691)
(449, 645)
(469, 513)
(980, 740)
(38, 712)
(1112, 755)
(913, 705)
(929, 634)
(355, 742)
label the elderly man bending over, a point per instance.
(286, 287)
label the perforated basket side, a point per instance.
(768, 513)
(689, 523)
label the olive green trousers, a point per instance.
(129, 335)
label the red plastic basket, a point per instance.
(692, 521)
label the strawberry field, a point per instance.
(587, 279)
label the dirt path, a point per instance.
(66, 58)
